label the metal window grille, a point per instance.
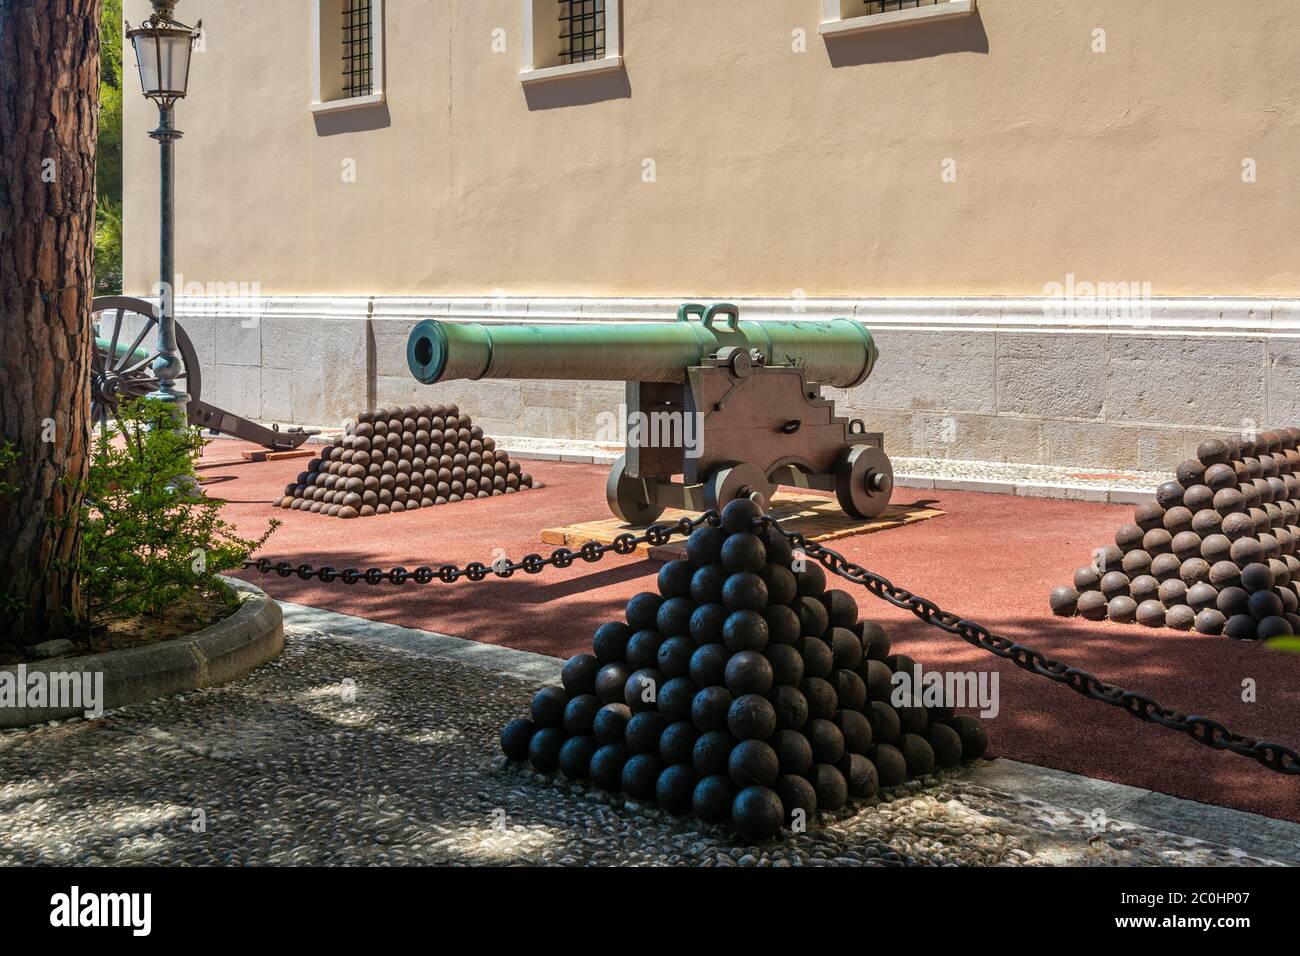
(582, 30)
(358, 56)
(889, 6)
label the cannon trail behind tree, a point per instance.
(747, 396)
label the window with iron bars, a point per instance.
(889, 6)
(582, 30)
(358, 53)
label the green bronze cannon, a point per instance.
(734, 408)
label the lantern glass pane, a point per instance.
(174, 63)
(146, 56)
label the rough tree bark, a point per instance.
(49, 120)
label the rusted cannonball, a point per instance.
(1247, 551)
(1169, 494)
(1212, 451)
(1206, 522)
(1237, 526)
(1241, 627)
(1229, 501)
(1177, 519)
(1209, 621)
(1261, 519)
(1143, 588)
(1110, 557)
(1172, 592)
(1114, 584)
(1087, 578)
(1281, 572)
(1128, 537)
(1092, 605)
(1121, 609)
(1165, 566)
(1180, 617)
(1148, 515)
(1186, 545)
(1194, 571)
(1201, 596)
(1151, 614)
(1198, 498)
(1251, 497)
(1219, 477)
(1157, 541)
(1272, 550)
(1215, 548)
(1136, 562)
(1225, 574)
(1190, 472)
(1064, 601)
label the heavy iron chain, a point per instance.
(1203, 730)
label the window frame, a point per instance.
(532, 44)
(318, 32)
(834, 23)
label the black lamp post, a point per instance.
(162, 52)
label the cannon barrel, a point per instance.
(838, 352)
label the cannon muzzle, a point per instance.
(839, 352)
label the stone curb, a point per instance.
(228, 649)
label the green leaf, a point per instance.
(1291, 644)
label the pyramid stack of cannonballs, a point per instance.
(1215, 552)
(743, 691)
(401, 459)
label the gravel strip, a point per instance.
(342, 752)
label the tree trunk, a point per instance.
(49, 119)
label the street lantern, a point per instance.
(162, 52)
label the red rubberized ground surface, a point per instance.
(992, 558)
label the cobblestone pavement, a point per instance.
(343, 752)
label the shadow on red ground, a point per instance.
(992, 558)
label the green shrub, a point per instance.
(149, 535)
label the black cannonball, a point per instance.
(641, 736)
(1232, 601)
(779, 550)
(850, 689)
(675, 788)
(748, 673)
(1092, 605)
(707, 582)
(708, 665)
(1172, 592)
(781, 585)
(1209, 621)
(757, 812)
(1225, 574)
(1241, 627)
(515, 736)
(674, 617)
(1087, 578)
(875, 642)
(974, 738)
(1202, 595)
(818, 659)
(891, 766)
(641, 692)
(878, 678)
(846, 647)
(610, 723)
(1169, 495)
(782, 624)
(610, 643)
(548, 706)
(1150, 614)
(711, 751)
(642, 610)
(739, 516)
(1264, 604)
(1271, 627)
(914, 719)
(1180, 617)
(1256, 577)
(743, 552)
(1114, 584)
(826, 739)
(1129, 537)
(674, 657)
(885, 725)
(813, 619)
(841, 608)
(580, 715)
(575, 756)
(606, 767)
(856, 730)
(675, 579)
(1148, 515)
(713, 797)
(859, 775)
(1138, 562)
(579, 674)
(1064, 601)
(917, 754)
(641, 775)
(821, 697)
(677, 742)
(1110, 557)
(676, 697)
(831, 787)
(744, 591)
(752, 763)
(787, 665)
(798, 798)
(744, 630)
(1165, 566)
(709, 708)
(751, 717)
(643, 649)
(544, 749)
(704, 546)
(945, 743)
(1144, 588)
(790, 705)
(610, 682)
(706, 623)
(793, 752)
(811, 580)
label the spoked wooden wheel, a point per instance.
(122, 363)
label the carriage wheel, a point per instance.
(864, 481)
(741, 480)
(122, 364)
(627, 496)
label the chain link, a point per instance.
(1203, 730)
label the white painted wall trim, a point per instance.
(834, 23)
